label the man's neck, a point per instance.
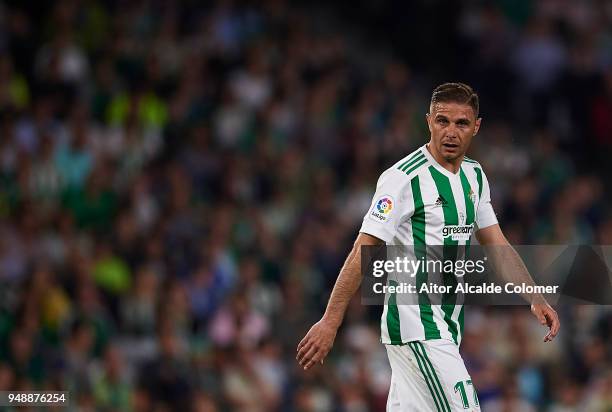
(452, 166)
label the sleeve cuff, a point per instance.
(376, 231)
(486, 218)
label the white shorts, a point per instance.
(429, 376)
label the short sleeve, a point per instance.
(392, 204)
(485, 215)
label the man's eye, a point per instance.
(443, 121)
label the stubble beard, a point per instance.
(451, 158)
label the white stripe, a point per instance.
(459, 196)
(384, 331)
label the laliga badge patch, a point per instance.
(382, 209)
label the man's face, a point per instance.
(452, 126)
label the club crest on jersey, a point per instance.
(382, 208)
(472, 196)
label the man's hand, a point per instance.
(316, 344)
(547, 316)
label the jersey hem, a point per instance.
(420, 339)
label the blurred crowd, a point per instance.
(181, 183)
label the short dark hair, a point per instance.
(456, 93)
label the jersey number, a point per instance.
(460, 387)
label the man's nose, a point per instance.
(452, 134)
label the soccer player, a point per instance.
(433, 188)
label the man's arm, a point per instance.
(511, 267)
(320, 338)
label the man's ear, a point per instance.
(477, 126)
(428, 119)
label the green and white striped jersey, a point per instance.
(420, 204)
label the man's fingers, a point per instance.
(310, 359)
(549, 336)
(302, 342)
(552, 320)
(305, 348)
(316, 358)
(308, 365)
(303, 352)
(309, 355)
(554, 324)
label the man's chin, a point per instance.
(450, 157)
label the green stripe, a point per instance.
(427, 377)
(411, 158)
(479, 179)
(393, 318)
(433, 371)
(449, 251)
(418, 217)
(416, 166)
(451, 217)
(439, 393)
(420, 252)
(413, 161)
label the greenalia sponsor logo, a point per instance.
(458, 232)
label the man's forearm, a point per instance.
(348, 280)
(346, 285)
(509, 265)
